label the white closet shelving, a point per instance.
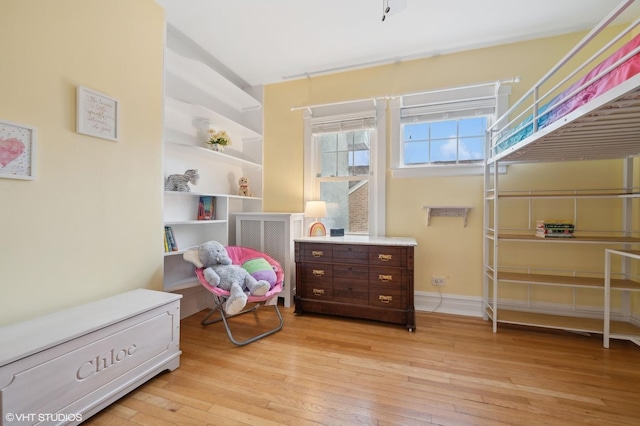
(198, 97)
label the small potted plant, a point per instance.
(218, 139)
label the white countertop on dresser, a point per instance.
(360, 239)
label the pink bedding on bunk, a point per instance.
(621, 73)
(563, 104)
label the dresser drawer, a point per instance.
(386, 256)
(318, 290)
(309, 252)
(316, 273)
(357, 294)
(385, 277)
(350, 274)
(351, 253)
(385, 296)
(351, 284)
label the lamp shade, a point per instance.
(315, 209)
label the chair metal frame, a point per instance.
(238, 255)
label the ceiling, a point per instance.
(270, 41)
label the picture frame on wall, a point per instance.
(18, 148)
(97, 114)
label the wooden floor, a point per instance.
(331, 371)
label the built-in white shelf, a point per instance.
(208, 194)
(209, 81)
(193, 222)
(447, 211)
(205, 118)
(198, 96)
(213, 155)
(184, 284)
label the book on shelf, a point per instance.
(206, 208)
(171, 238)
(166, 241)
(555, 228)
(545, 231)
(556, 236)
(554, 224)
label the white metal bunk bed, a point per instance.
(605, 127)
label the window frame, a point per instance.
(341, 112)
(439, 102)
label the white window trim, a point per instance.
(378, 155)
(399, 170)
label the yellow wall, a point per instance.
(90, 225)
(445, 248)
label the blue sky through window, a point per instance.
(444, 141)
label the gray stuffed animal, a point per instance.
(219, 272)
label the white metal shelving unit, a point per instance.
(605, 128)
(618, 330)
(527, 312)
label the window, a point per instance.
(445, 142)
(344, 167)
(443, 132)
(344, 178)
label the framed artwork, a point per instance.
(18, 144)
(97, 114)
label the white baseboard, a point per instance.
(473, 306)
(194, 299)
(448, 303)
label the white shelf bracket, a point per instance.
(447, 211)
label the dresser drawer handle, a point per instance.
(317, 253)
(318, 272)
(385, 257)
(385, 278)
(385, 299)
(318, 291)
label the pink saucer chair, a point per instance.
(239, 255)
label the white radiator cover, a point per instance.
(64, 367)
(273, 234)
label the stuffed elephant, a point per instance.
(219, 272)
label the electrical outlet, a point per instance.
(438, 280)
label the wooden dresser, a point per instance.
(356, 276)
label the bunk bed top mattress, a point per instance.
(563, 104)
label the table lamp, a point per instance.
(316, 210)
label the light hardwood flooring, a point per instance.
(452, 370)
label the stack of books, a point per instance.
(170, 243)
(554, 229)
